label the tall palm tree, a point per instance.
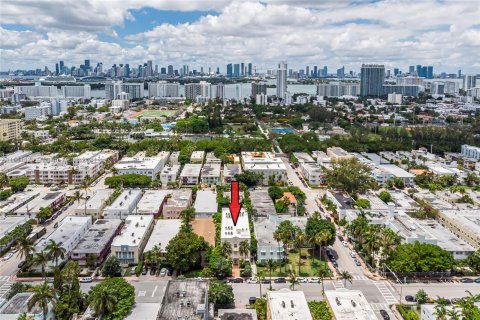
(371, 241)
(85, 185)
(261, 277)
(244, 248)
(346, 276)
(270, 265)
(41, 259)
(441, 312)
(388, 242)
(299, 243)
(42, 296)
(322, 273)
(25, 247)
(453, 314)
(102, 301)
(55, 251)
(319, 239)
(293, 280)
(226, 249)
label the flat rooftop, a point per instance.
(8, 223)
(67, 229)
(133, 231)
(262, 202)
(303, 157)
(191, 170)
(97, 236)
(211, 170)
(17, 305)
(42, 201)
(237, 314)
(230, 170)
(97, 200)
(174, 169)
(264, 229)
(287, 305)
(265, 166)
(468, 218)
(349, 305)
(163, 232)
(206, 202)
(185, 299)
(151, 201)
(395, 170)
(345, 201)
(180, 198)
(124, 200)
(402, 200)
(229, 230)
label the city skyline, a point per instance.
(207, 34)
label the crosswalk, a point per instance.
(359, 277)
(4, 278)
(4, 288)
(387, 294)
(338, 284)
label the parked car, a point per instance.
(251, 300)
(313, 280)
(14, 250)
(55, 225)
(410, 298)
(345, 243)
(22, 264)
(352, 254)
(335, 264)
(266, 281)
(477, 280)
(252, 280)
(86, 279)
(280, 280)
(301, 280)
(153, 271)
(7, 256)
(467, 280)
(144, 270)
(237, 280)
(384, 314)
(358, 263)
(163, 272)
(169, 272)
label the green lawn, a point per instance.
(278, 272)
(308, 268)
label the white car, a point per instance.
(7, 256)
(352, 254)
(252, 280)
(163, 272)
(345, 243)
(314, 280)
(301, 280)
(86, 279)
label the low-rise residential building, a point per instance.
(262, 203)
(230, 171)
(50, 200)
(464, 224)
(185, 299)
(205, 203)
(7, 225)
(337, 153)
(180, 200)
(18, 305)
(266, 164)
(197, 157)
(190, 174)
(163, 232)
(173, 160)
(267, 247)
(349, 305)
(285, 304)
(303, 157)
(129, 244)
(210, 158)
(95, 245)
(235, 233)
(15, 201)
(95, 204)
(141, 164)
(210, 173)
(313, 173)
(152, 202)
(471, 151)
(68, 234)
(169, 174)
(384, 172)
(124, 205)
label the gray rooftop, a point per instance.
(163, 232)
(97, 236)
(97, 200)
(262, 202)
(185, 299)
(206, 202)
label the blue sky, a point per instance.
(445, 34)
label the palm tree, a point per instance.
(226, 249)
(24, 316)
(25, 247)
(55, 251)
(261, 277)
(270, 266)
(42, 296)
(244, 248)
(346, 276)
(299, 242)
(371, 241)
(85, 185)
(102, 301)
(319, 239)
(293, 280)
(453, 314)
(440, 312)
(41, 259)
(322, 273)
(388, 242)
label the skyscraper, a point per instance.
(57, 71)
(469, 81)
(242, 69)
(87, 64)
(170, 70)
(371, 80)
(250, 69)
(236, 70)
(411, 70)
(395, 71)
(282, 80)
(315, 71)
(430, 72)
(229, 70)
(62, 66)
(341, 73)
(325, 71)
(307, 71)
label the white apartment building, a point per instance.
(303, 157)
(180, 200)
(202, 90)
(197, 157)
(37, 91)
(349, 304)
(124, 205)
(68, 234)
(267, 247)
(234, 234)
(152, 202)
(169, 174)
(384, 172)
(230, 171)
(163, 232)
(141, 164)
(129, 244)
(84, 91)
(190, 174)
(471, 151)
(173, 160)
(462, 223)
(313, 173)
(115, 88)
(163, 89)
(95, 204)
(36, 112)
(337, 153)
(285, 304)
(265, 164)
(205, 204)
(49, 200)
(210, 173)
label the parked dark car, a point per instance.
(169, 272)
(280, 280)
(252, 300)
(144, 270)
(266, 281)
(22, 264)
(467, 280)
(384, 314)
(357, 262)
(410, 298)
(477, 280)
(153, 271)
(237, 280)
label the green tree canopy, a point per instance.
(350, 175)
(315, 226)
(112, 309)
(18, 184)
(184, 251)
(220, 293)
(249, 178)
(128, 180)
(111, 267)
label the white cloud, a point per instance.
(333, 33)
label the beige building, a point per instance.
(337, 153)
(9, 129)
(180, 200)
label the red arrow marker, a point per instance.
(234, 205)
